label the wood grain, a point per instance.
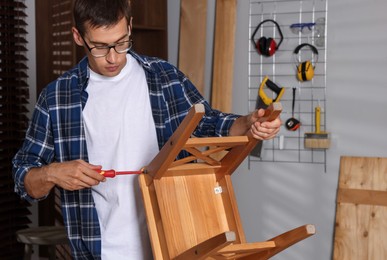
(224, 45)
(361, 213)
(192, 41)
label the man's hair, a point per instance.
(99, 13)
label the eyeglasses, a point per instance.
(102, 51)
(304, 28)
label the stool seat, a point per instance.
(44, 235)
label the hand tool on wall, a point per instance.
(263, 101)
(293, 124)
(317, 139)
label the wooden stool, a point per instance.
(43, 236)
(190, 205)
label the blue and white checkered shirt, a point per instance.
(56, 134)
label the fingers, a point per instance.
(257, 114)
(265, 130)
(75, 175)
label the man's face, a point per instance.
(111, 64)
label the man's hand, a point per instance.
(251, 123)
(72, 175)
(265, 130)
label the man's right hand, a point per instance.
(71, 175)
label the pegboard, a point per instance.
(281, 68)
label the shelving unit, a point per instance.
(281, 69)
(150, 33)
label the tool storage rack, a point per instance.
(281, 69)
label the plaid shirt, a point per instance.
(56, 134)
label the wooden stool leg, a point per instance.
(27, 252)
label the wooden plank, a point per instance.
(192, 41)
(360, 229)
(153, 217)
(208, 247)
(358, 196)
(363, 173)
(191, 211)
(217, 141)
(284, 241)
(224, 45)
(247, 248)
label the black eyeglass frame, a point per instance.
(108, 47)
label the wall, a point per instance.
(274, 198)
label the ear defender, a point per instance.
(305, 69)
(266, 46)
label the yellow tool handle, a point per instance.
(317, 112)
(271, 85)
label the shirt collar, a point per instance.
(84, 70)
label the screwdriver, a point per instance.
(113, 173)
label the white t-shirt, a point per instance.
(120, 135)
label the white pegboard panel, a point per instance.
(281, 68)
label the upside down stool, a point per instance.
(190, 203)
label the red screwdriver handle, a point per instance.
(108, 173)
(113, 173)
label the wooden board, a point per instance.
(192, 40)
(192, 212)
(224, 45)
(361, 214)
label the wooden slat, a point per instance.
(191, 169)
(247, 247)
(224, 45)
(154, 222)
(217, 141)
(358, 196)
(199, 155)
(284, 241)
(208, 247)
(192, 41)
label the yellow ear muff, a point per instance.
(305, 71)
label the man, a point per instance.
(114, 110)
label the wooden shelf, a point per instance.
(148, 28)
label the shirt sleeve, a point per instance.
(37, 148)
